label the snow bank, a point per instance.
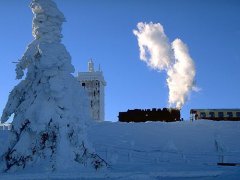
(194, 147)
(156, 150)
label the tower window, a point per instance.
(83, 84)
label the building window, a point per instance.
(212, 114)
(220, 114)
(83, 84)
(237, 114)
(229, 114)
(202, 115)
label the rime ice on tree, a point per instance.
(50, 107)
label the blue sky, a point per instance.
(102, 30)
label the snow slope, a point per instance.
(157, 150)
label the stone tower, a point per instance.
(94, 83)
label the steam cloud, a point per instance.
(174, 58)
(154, 46)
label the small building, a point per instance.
(143, 115)
(215, 114)
(94, 83)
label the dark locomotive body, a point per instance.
(143, 115)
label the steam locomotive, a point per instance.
(173, 115)
(143, 115)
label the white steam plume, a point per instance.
(157, 52)
(181, 76)
(154, 45)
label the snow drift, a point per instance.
(158, 150)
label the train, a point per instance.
(143, 115)
(173, 115)
(215, 114)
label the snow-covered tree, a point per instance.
(50, 107)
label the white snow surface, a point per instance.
(156, 150)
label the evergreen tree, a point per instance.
(50, 107)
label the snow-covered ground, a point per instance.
(157, 150)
